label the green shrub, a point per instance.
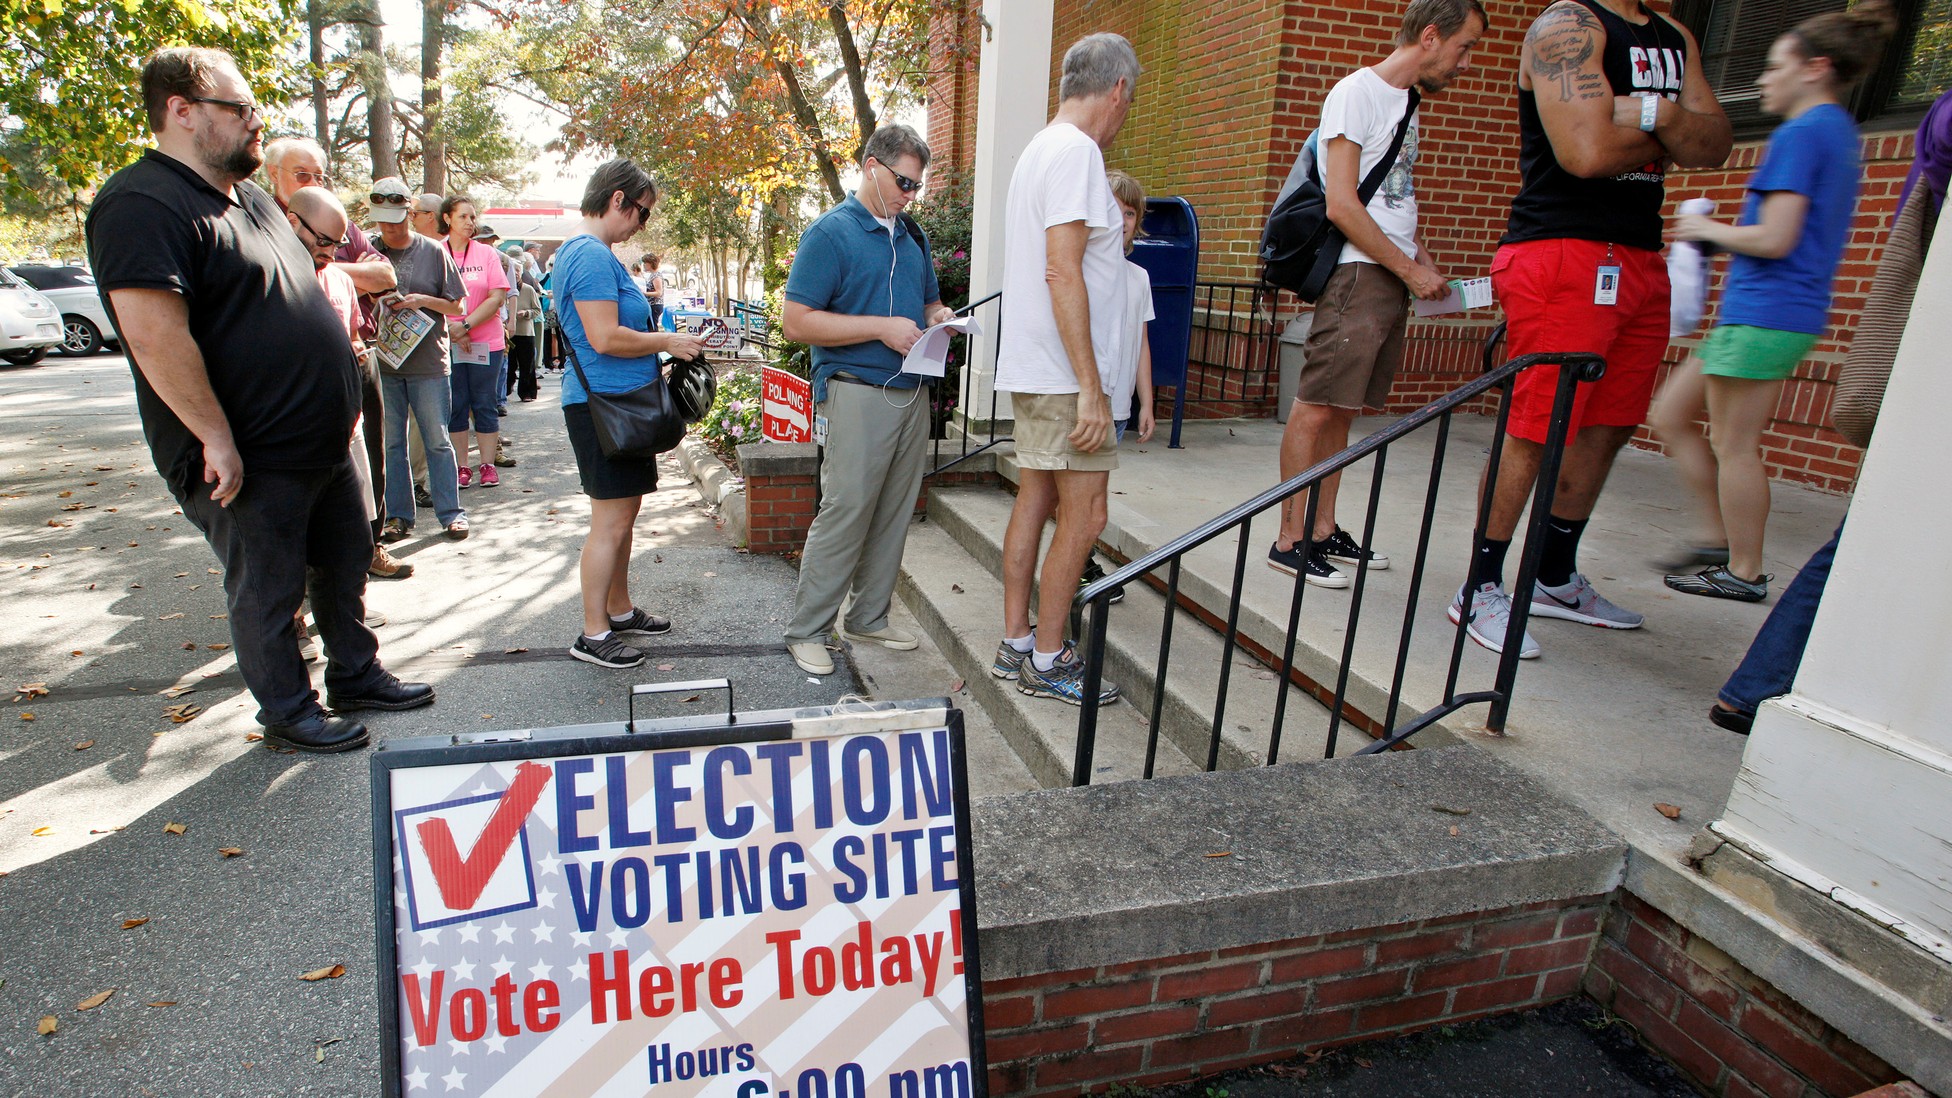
(734, 417)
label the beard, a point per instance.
(234, 160)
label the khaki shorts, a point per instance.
(1356, 343)
(1044, 424)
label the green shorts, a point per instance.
(1759, 354)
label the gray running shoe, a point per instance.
(1008, 663)
(1577, 601)
(1064, 681)
(1720, 583)
(611, 651)
(1491, 620)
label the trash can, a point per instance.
(1169, 250)
(1293, 337)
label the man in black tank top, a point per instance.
(1609, 93)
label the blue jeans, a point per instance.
(477, 388)
(429, 397)
(1770, 667)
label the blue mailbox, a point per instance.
(1169, 250)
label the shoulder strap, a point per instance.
(563, 340)
(1377, 174)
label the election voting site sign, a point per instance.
(768, 905)
(786, 406)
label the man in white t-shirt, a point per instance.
(1063, 292)
(1356, 343)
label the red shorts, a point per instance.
(1546, 288)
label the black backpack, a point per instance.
(1300, 245)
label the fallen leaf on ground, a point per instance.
(179, 691)
(84, 745)
(215, 571)
(64, 495)
(693, 698)
(1453, 830)
(230, 851)
(1449, 811)
(1221, 854)
(956, 588)
(162, 1003)
(513, 651)
(43, 831)
(131, 924)
(219, 617)
(48, 1025)
(175, 828)
(711, 575)
(253, 737)
(180, 575)
(331, 973)
(95, 1000)
(180, 714)
(957, 689)
(27, 716)
(1671, 811)
(667, 667)
(56, 522)
(171, 617)
(31, 690)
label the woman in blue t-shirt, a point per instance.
(1786, 245)
(605, 320)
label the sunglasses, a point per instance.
(245, 111)
(319, 239)
(643, 212)
(907, 185)
(388, 200)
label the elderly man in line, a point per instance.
(248, 390)
(1063, 284)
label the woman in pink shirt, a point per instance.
(475, 341)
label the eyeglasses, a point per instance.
(643, 212)
(907, 185)
(388, 200)
(245, 111)
(308, 179)
(319, 239)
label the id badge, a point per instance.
(1606, 286)
(820, 430)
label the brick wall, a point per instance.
(955, 46)
(1229, 95)
(780, 506)
(1176, 1018)
(1726, 1028)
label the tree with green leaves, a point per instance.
(71, 78)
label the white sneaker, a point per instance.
(888, 636)
(812, 657)
(1491, 620)
(1577, 601)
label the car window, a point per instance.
(8, 279)
(53, 278)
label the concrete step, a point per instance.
(1206, 580)
(958, 602)
(975, 518)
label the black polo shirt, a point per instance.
(278, 357)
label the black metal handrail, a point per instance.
(1095, 599)
(965, 382)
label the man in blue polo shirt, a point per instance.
(861, 291)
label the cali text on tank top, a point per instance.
(1554, 204)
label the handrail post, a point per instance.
(1573, 369)
(1094, 677)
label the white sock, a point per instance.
(623, 617)
(1044, 661)
(596, 636)
(1024, 643)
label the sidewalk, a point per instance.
(1612, 721)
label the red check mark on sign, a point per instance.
(462, 880)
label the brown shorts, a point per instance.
(1356, 344)
(1044, 424)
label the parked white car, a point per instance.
(29, 323)
(85, 327)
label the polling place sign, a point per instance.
(786, 406)
(772, 905)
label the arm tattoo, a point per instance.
(1562, 41)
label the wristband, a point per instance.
(1649, 111)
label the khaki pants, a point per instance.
(869, 478)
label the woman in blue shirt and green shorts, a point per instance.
(1785, 249)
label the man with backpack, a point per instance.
(1365, 152)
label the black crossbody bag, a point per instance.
(1300, 245)
(637, 425)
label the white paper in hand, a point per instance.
(930, 355)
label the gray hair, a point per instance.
(276, 151)
(1095, 63)
(892, 141)
(1448, 16)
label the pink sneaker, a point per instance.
(489, 478)
(466, 476)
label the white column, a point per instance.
(1012, 104)
(1846, 783)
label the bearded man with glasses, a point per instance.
(248, 391)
